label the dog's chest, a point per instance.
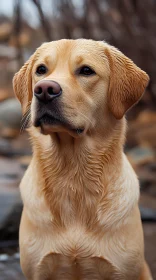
(76, 245)
(69, 202)
(73, 194)
(66, 215)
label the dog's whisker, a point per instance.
(87, 120)
(25, 122)
(85, 117)
(24, 126)
(25, 115)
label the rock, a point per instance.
(5, 94)
(5, 147)
(10, 211)
(10, 200)
(140, 155)
(9, 132)
(146, 117)
(152, 166)
(150, 245)
(142, 131)
(147, 201)
(10, 116)
(10, 172)
(19, 146)
(10, 268)
(147, 207)
(24, 161)
(148, 214)
(7, 51)
(145, 174)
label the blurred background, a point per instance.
(130, 25)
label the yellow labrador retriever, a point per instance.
(80, 219)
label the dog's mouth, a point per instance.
(48, 120)
(49, 124)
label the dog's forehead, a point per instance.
(75, 49)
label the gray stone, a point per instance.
(10, 113)
(10, 201)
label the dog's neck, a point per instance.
(67, 150)
(77, 172)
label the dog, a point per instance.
(80, 218)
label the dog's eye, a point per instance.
(41, 70)
(86, 71)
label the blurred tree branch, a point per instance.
(17, 30)
(44, 21)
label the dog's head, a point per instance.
(75, 85)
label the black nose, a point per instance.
(47, 90)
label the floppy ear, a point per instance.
(127, 82)
(22, 84)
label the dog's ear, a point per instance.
(22, 84)
(127, 82)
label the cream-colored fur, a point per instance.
(81, 219)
